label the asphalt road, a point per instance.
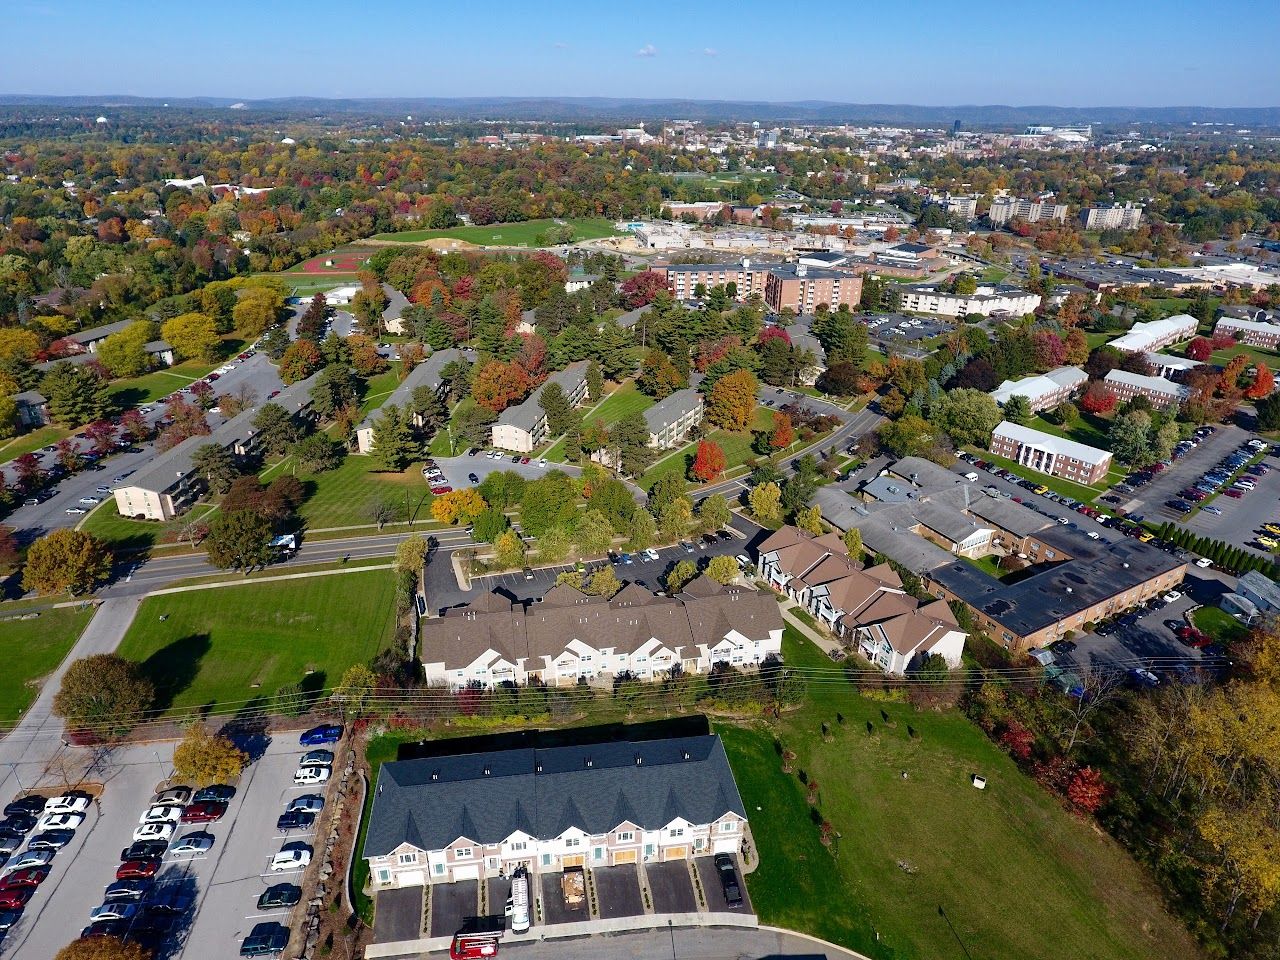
(680, 943)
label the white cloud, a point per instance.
(648, 50)
(711, 52)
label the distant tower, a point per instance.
(955, 128)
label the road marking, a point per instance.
(274, 913)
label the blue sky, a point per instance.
(1067, 52)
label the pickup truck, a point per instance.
(573, 884)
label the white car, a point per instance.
(91, 501)
(154, 831)
(291, 857)
(971, 477)
(311, 803)
(68, 803)
(59, 821)
(180, 796)
(1063, 520)
(1204, 562)
(1093, 535)
(161, 813)
(1173, 596)
(311, 775)
(29, 858)
(651, 554)
(119, 910)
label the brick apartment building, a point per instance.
(1046, 453)
(1254, 333)
(1162, 393)
(801, 288)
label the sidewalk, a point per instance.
(823, 642)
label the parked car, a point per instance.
(279, 895)
(113, 911)
(311, 775)
(219, 791)
(154, 831)
(193, 844)
(15, 898)
(29, 858)
(728, 879)
(317, 758)
(144, 850)
(138, 868)
(206, 811)
(296, 820)
(265, 940)
(161, 813)
(134, 888)
(292, 856)
(31, 806)
(68, 803)
(318, 736)
(18, 825)
(51, 840)
(180, 796)
(30, 877)
(60, 821)
(307, 803)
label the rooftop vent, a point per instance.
(487, 771)
(435, 775)
(639, 760)
(537, 767)
(588, 762)
(684, 755)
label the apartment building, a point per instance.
(1156, 334)
(1046, 453)
(1255, 333)
(986, 300)
(444, 819)
(929, 520)
(523, 427)
(425, 374)
(168, 485)
(800, 288)
(868, 607)
(957, 205)
(1114, 216)
(1162, 393)
(1004, 209)
(671, 418)
(568, 636)
(1043, 391)
(683, 279)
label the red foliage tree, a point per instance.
(102, 434)
(134, 426)
(30, 473)
(1018, 740)
(709, 462)
(774, 333)
(497, 385)
(1049, 349)
(643, 288)
(1097, 399)
(1264, 382)
(1054, 773)
(1200, 349)
(68, 455)
(1087, 790)
(783, 434)
(532, 357)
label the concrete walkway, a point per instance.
(245, 581)
(824, 642)
(32, 747)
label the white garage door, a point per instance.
(467, 873)
(411, 878)
(727, 845)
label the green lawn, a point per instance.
(1219, 624)
(121, 533)
(344, 496)
(33, 649)
(525, 234)
(1017, 876)
(379, 387)
(1075, 491)
(627, 399)
(736, 447)
(30, 442)
(150, 387)
(1255, 355)
(229, 645)
(1087, 429)
(993, 275)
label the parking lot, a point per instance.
(224, 882)
(896, 327)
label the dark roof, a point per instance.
(912, 248)
(544, 792)
(99, 333)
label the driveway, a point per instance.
(618, 892)
(553, 908)
(398, 915)
(714, 892)
(672, 887)
(451, 905)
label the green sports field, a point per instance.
(525, 234)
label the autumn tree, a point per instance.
(732, 402)
(256, 310)
(103, 947)
(680, 574)
(125, 353)
(299, 361)
(1263, 383)
(659, 377)
(508, 550)
(1097, 399)
(853, 542)
(643, 288)
(66, 559)
(713, 512)
(411, 553)
(765, 500)
(458, 506)
(809, 519)
(783, 433)
(193, 336)
(709, 462)
(722, 569)
(203, 758)
(103, 694)
(603, 583)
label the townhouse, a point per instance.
(671, 418)
(470, 816)
(168, 485)
(867, 607)
(1059, 582)
(1162, 393)
(521, 428)
(1050, 454)
(1156, 334)
(425, 374)
(568, 636)
(1043, 391)
(1254, 333)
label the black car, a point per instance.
(1062, 646)
(219, 792)
(51, 840)
(19, 824)
(280, 895)
(26, 806)
(724, 535)
(144, 850)
(296, 820)
(473, 451)
(8, 918)
(709, 539)
(135, 888)
(472, 478)
(728, 879)
(264, 940)
(106, 928)
(169, 902)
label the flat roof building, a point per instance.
(1112, 217)
(1254, 333)
(1004, 209)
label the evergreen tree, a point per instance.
(394, 447)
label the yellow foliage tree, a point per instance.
(458, 506)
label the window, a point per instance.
(697, 843)
(626, 836)
(384, 875)
(599, 854)
(518, 846)
(546, 859)
(728, 826)
(461, 853)
(573, 841)
(408, 858)
(439, 868)
(676, 832)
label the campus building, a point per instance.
(1253, 333)
(478, 815)
(800, 288)
(1156, 334)
(1043, 391)
(1162, 393)
(683, 279)
(521, 428)
(956, 205)
(568, 636)
(933, 522)
(169, 485)
(1112, 217)
(425, 374)
(986, 300)
(1047, 453)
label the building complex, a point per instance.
(1156, 334)
(1112, 217)
(1050, 454)
(1162, 393)
(521, 428)
(1005, 209)
(986, 300)
(426, 374)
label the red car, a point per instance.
(30, 877)
(441, 488)
(15, 898)
(1233, 494)
(131, 869)
(205, 811)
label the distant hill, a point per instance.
(608, 108)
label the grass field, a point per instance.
(150, 387)
(524, 234)
(121, 533)
(30, 442)
(1075, 491)
(736, 447)
(379, 387)
(993, 275)
(1255, 355)
(33, 649)
(1017, 876)
(229, 645)
(1219, 624)
(627, 399)
(343, 497)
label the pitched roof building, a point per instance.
(1044, 391)
(425, 374)
(522, 427)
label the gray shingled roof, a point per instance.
(670, 409)
(486, 797)
(426, 373)
(527, 414)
